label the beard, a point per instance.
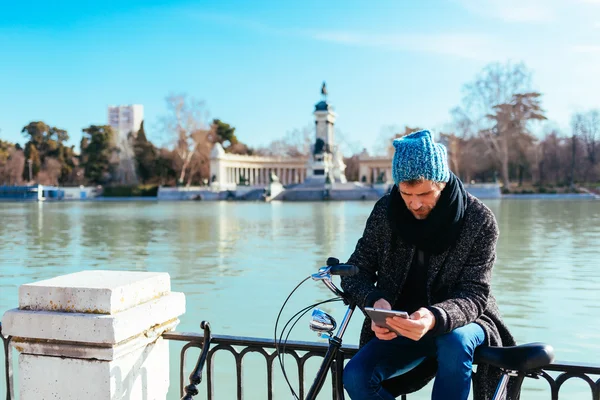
(422, 213)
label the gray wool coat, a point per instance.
(458, 285)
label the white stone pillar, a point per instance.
(94, 335)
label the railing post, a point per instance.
(191, 390)
(10, 394)
(94, 335)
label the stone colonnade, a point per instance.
(261, 175)
(371, 167)
(233, 169)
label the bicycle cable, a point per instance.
(275, 334)
(278, 342)
(302, 313)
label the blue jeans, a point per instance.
(379, 360)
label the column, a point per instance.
(94, 335)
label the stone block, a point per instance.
(138, 375)
(94, 292)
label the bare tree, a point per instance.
(296, 143)
(12, 168)
(454, 146)
(345, 145)
(509, 133)
(187, 125)
(387, 134)
(352, 168)
(549, 159)
(50, 172)
(493, 107)
(586, 127)
(200, 163)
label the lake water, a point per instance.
(236, 263)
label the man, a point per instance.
(428, 248)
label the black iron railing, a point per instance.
(301, 352)
(7, 365)
(239, 347)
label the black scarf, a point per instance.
(442, 226)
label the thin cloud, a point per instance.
(513, 10)
(587, 48)
(471, 46)
(232, 21)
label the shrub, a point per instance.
(130, 191)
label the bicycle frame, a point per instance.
(335, 342)
(537, 354)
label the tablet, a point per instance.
(378, 315)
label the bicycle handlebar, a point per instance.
(343, 270)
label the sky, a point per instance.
(259, 65)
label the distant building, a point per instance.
(375, 169)
(324, 163)
(126, 119)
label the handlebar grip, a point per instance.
(344, 270)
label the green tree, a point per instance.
(145, 156)
(164, 171)
(49, 143)
(96, 153)
(31, 156)
(67, 158)
(225, 134)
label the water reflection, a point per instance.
(237, 262)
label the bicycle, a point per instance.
(520, 361)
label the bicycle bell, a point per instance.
(322, 323)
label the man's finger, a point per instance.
(379, 329)
(386, 336)
(398, 323)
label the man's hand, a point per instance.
(382, 332)
(420, 322)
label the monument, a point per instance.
(325, 167)
(325, 163)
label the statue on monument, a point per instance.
(273, 178)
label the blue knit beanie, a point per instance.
(417, 156)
